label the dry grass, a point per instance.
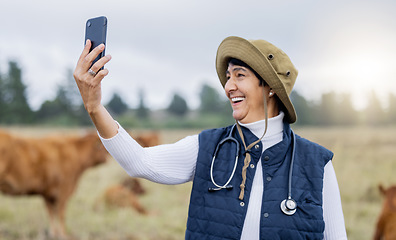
(364, 158)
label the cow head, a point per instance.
(91, 150)
(133, 185)
(389, 195)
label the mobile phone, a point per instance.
(96, 31)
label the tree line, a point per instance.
(66, 108)
(337, 110)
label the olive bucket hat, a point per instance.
(270, 62)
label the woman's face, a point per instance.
(245, 94)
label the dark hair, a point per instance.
(241, 63)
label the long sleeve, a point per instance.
(332, 208)
(166, 164)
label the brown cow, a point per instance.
(50, 167)
(125, 194)
(134, 185)
(386, 225)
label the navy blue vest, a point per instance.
(220, 214)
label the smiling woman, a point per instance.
(258, 88)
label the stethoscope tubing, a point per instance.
(291, 165)
(289, 205)
(225, 186)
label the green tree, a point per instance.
(82, 116)
(61, 104)
(142, 111)
(346, 113)
(66, 108)
(58, 111)
(305, 113)
(178, 106)
(374, 113)
(71, 96)
(327, 110)
(392, 109)
(211, 101)
(17, 110)
(116, 105)
(49, 109)
(215, 109)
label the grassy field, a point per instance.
(364, 157)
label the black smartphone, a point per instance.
(96, 31)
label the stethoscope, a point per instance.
(288, 205)
(230, 138)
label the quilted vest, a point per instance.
(219, 215)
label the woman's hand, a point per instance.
(89, 79)
(89, 83)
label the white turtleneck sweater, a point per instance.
(175, 164)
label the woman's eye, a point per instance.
(240, 75)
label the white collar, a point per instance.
(275, 126)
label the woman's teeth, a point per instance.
(237, 99)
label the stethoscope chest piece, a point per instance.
(288, 206)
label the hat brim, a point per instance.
(242, 49)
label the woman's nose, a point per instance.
(230, 86)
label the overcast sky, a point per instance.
(169, 46)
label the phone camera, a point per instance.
(89, 23)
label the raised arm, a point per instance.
(166, 163)
(89, 82)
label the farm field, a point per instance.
(364, 158)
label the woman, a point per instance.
(241, 187)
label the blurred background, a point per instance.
(165, 50)
(162, 77)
